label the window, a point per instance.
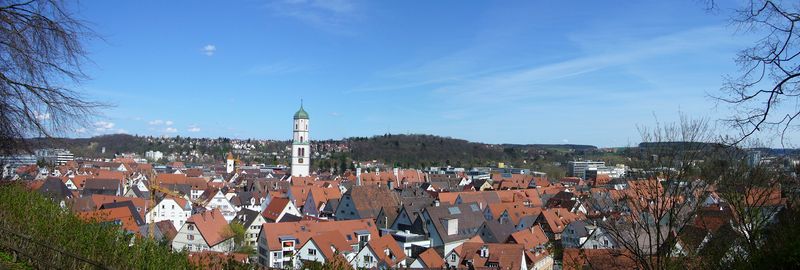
(367, 258)
(452, 257)
(190, 227)
(363, 238)
(190, 237)
(312, 252)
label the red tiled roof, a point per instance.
(328, 241)
(305, 229)
(431, 259)
(380, 244)
(212, 226)
(120, 214)
(275, 208)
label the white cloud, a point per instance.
(80, 130)
(193, 128)
(329, 15)
(103, 127)
(209, 49)
(159, 122)
(41, 116)
(171, 130)
(122, 131)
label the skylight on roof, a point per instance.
(474, 207)
(454, 210)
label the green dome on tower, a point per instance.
(301, 114)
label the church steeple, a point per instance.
(301, 114)
(301, 150)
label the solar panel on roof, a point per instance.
(454, 210)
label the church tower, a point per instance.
(229, 166)
(301, 150)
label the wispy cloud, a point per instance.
(209, 49)
(193, 128)
(170, 130)
(332, 16)
(515, 82)
(42, 116)
(103, 126)
(159, 122)
(523, 82)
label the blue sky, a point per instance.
(584, 72)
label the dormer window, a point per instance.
(484, 252)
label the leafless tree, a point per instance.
(764, 95)
(41, 53)
(755, 193)
(662, 199)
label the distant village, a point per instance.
(372, 215)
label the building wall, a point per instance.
(360, 262)
(189, 238)
(251, 236)
(346, 209)
(221, 202)
(545, 263)
(303, 255)
(168, 209)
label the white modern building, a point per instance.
(153, 155)
(55, 156)
(579, 168)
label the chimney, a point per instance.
(397, 173)
(436, 203)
